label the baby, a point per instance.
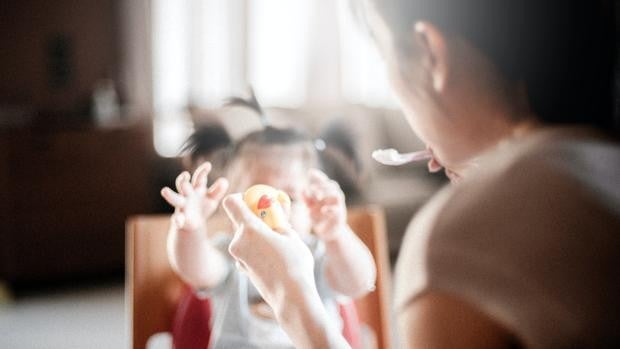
(198, 241)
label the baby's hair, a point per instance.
(269, 135)
(274, 136)
(205, 140)
(337, 135)
(337, 155)
(340, 160)
(260, 144)
(250, 103)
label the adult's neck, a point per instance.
(499, 137)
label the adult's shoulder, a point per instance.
(531, 238)
(555, 176)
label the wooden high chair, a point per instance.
(152, 289)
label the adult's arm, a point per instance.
(437, 321)
(281, 267)
(306, 321)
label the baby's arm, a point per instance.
(191, 253)
(349, 266)
(194, 258)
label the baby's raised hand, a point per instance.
(194, 203)
(327, 206)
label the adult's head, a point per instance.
(468, 73)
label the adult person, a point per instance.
(515, 100)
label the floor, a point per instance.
(86, 317)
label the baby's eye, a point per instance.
(263, 214)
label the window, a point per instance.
(294, 53)
(364, 79)
(278, 50)
(171, 72)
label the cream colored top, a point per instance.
(531, 238)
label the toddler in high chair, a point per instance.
(284, 159)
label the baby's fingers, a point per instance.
(330, 200)
(330, 211)
(178, 219)
(181, 179)
(199, 180)
(321, 186)
(218, 189)
(319, 199)
(318, 176)
(313, 194)
(173, 198)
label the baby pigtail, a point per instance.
(252, 104)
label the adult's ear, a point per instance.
(434, 53)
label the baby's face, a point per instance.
(284, 172)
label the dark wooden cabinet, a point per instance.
(65, 195)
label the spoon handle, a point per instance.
(418, 155)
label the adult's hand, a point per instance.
(275, 261)
(281, 267)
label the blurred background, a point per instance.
(96, 100)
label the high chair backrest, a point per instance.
(152, 289)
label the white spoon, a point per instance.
(392, 157)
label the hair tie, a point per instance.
(319, 144)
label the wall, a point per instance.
(27, 30)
